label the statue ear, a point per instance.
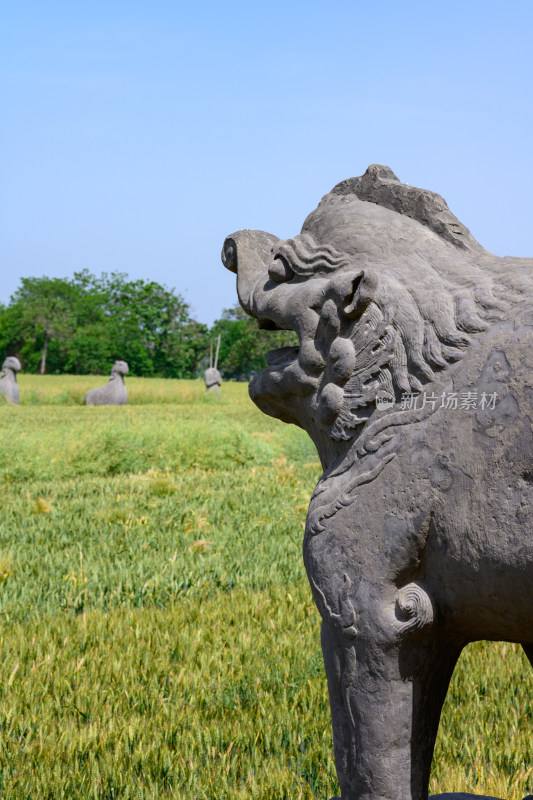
(355, 289)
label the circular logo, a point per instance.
(384, 400)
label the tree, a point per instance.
(41, 312)
(148, 320)
(83, 324)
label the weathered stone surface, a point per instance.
(8, 379)
(213, 379)
(414, 378)
(114, 392)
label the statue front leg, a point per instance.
(387, 680)
(334, 652)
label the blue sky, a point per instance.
(135, 136)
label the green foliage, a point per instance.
(243, 346)
(81, 325)
(158, 633)
(40, 317)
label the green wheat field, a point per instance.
(158, 636)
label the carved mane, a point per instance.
(415, 309)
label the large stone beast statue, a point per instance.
(8, 379)
(414, 378)
(114, 393)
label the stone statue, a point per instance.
(414, 378)
(8, 379)
(212, 377)
(114, 392)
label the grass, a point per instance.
(71, 390)
(158, 636)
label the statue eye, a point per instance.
(279, 270)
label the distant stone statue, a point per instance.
(414, 378)
(8, 379)
(114, 392)
(212, 377)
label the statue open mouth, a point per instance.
(278, 357)
(265, 324)
(282, 356)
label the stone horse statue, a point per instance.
(414, 378)
(8, 379)
(114, 393)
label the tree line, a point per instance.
(81, 325)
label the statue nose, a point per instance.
(229, 254)
(248, 254)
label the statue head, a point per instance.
(12, 365)
(383, 286)
(119, 368)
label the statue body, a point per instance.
(213, 379)
(114, 393)
(8, 379)
(414, 378)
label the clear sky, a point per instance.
(135, 136)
